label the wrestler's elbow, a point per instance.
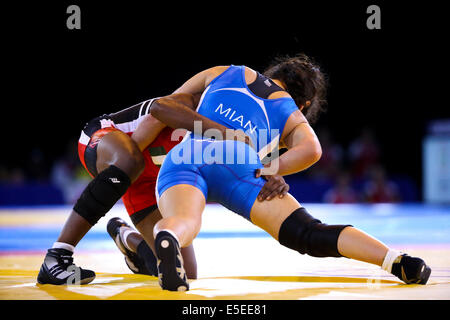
(173, 102)
(159, 108)
(310, 145)
(315, 150)
(309, 151)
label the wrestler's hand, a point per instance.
(275, 186)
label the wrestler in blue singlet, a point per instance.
(224, 170)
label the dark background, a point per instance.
(391, 80)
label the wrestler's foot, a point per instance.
(58, 268)
(116, 228)
(171, 273)
(411, 270)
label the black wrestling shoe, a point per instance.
(133, 261)
(58, 268)
(171, 273)
(411, 270)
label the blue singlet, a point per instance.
(224, 170)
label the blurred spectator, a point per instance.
(343, 191)
(330, 164)
(36, 166)
(68, 174)
(14, 176)
(378, 189)
(364, 152)
(4, 176)
(17, 176)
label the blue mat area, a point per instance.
(392, 224)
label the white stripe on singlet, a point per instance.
(84, 138)
(131, 126)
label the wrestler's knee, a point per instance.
(307, 235)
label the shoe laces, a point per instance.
(64, 260)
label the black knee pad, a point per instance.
(102, 193)
(307, 235)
